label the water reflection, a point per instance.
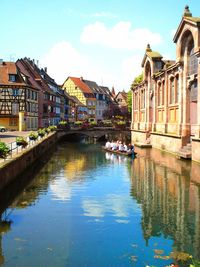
(169, 191)
(82, 201)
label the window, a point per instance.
(193, 63)
(12, 78)
(177, 89)
(15, 108)
(135, 101)
(15, 92)
(172, 91)
(142, 99)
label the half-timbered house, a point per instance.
(18, 99)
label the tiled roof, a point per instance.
(79, 83)
(193, 19)
(83, 87)
(7, 68)
(94, 87)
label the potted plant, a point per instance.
(21, 141)
(52, 128)
(121, 125)
(4, 150)
(33, 136)
(41, 132)
(63, 125)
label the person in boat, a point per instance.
(125, 147)
(115, 145)
(121, 147)
(130, 148)
(108, 144)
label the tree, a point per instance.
(136, 81)
(129, 100)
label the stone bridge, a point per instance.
(95, 133)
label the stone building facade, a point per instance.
(166, 104)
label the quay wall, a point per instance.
(11, 169)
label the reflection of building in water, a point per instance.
(4, 228)
(170, 202)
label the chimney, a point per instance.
(81, 78)
(45, 69)
(1, 61)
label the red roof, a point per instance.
(83, 86)
(9, 68)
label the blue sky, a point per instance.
(101, 40)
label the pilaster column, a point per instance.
(186, 106)
(165, 119)
(180, 100)
(198, 100)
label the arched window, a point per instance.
(172, 90)
(192, 60)
(159, 94)
(142, 98)
(163, 90)
(177, 89)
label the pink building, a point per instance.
(166, 104)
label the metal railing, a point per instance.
(15, 149)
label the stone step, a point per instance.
(184, 154)
(186, 148)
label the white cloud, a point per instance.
(131, 67)
(64, 60)
(120, 36)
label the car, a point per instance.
(2, 128)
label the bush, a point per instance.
(21, 141)
(4, 150)
(33, 136)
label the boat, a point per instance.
(128, 153)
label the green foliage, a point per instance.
(120, 122)
(78, 123)
(4, 150)
(47, 130)
(33, 136)
(107, 123)
(41, 132)
(129, 100)
(93, 123)
(21, 141)
(63, 123)
(52, 128)
(137, 80)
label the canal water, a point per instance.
(85, 207)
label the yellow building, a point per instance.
(76, 87)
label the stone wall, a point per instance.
(138, 137)
(166, 142)
(14, 167)
(196, 150)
